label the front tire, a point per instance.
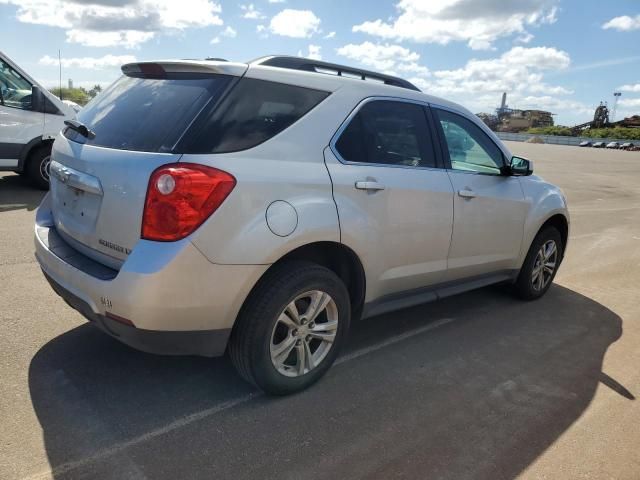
(291, 329)
(38, 167)
(541, 264)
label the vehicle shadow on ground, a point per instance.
(17, 193)
(479, 397)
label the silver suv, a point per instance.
(198, 207)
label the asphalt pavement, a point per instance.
(479, 386)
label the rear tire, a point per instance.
(38, 166)
(278, 318)
(541, 264)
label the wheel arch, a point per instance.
(560, 222)
(31, 147)
(338, 258)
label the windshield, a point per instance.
(147, 114)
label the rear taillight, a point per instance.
(181, 196)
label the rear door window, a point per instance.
(388, 133)
(253, 112)
(148, 114)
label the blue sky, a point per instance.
(559, 55)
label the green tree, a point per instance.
(95, 91)
(78, 95)
(617, 132)
(555, 130)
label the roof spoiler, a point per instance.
(161, 68)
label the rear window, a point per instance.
(148, 114)
(252, 112)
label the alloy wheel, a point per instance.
(45, 165)
(304, 333)
(545, 265)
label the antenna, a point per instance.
(60, 71)
(616, 96)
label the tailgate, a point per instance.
(98, 197)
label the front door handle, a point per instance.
(467, 193)
(369, 185)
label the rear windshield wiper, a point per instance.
(80, 128)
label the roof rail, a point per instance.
(310, 65)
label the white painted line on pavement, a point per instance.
(393, 340)
(194, 417)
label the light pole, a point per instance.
(616, 96)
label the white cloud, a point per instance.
(89, 63)
(251, 12)
(520, 72)
(630, 102)
(630, 88)
(228, 32)
(384, 57)
(526, 37)
(477, 23)
(262, 31)
(128, 23)
(552, 104)
(519, 69)
(127, 38)
(314, 52)
(277, 1)
(295, 23)
(624, 23)
(537, 57)
(330, 35)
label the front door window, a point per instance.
(15, 90)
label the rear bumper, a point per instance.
(207, 343)
(178, 301)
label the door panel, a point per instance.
(401, 233)
(489, 208)
(395, 206)
(488, 225)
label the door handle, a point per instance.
(467, 193)
(369, 185)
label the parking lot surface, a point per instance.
(479, 386)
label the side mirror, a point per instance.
(520, 167)
(37, 99)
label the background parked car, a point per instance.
(74, 105)
(586, 143)
(626, 146)
(598, 145)
(613, 145)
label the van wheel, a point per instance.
(540, 265)
(38, 165)
(291, 328)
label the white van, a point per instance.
(30, 119)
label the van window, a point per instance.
(148, 114)
(388, 133)
(15, 90)
(253, 112)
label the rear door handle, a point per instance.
(467, 193)
(369, 185)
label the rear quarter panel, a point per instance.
(238, 233)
